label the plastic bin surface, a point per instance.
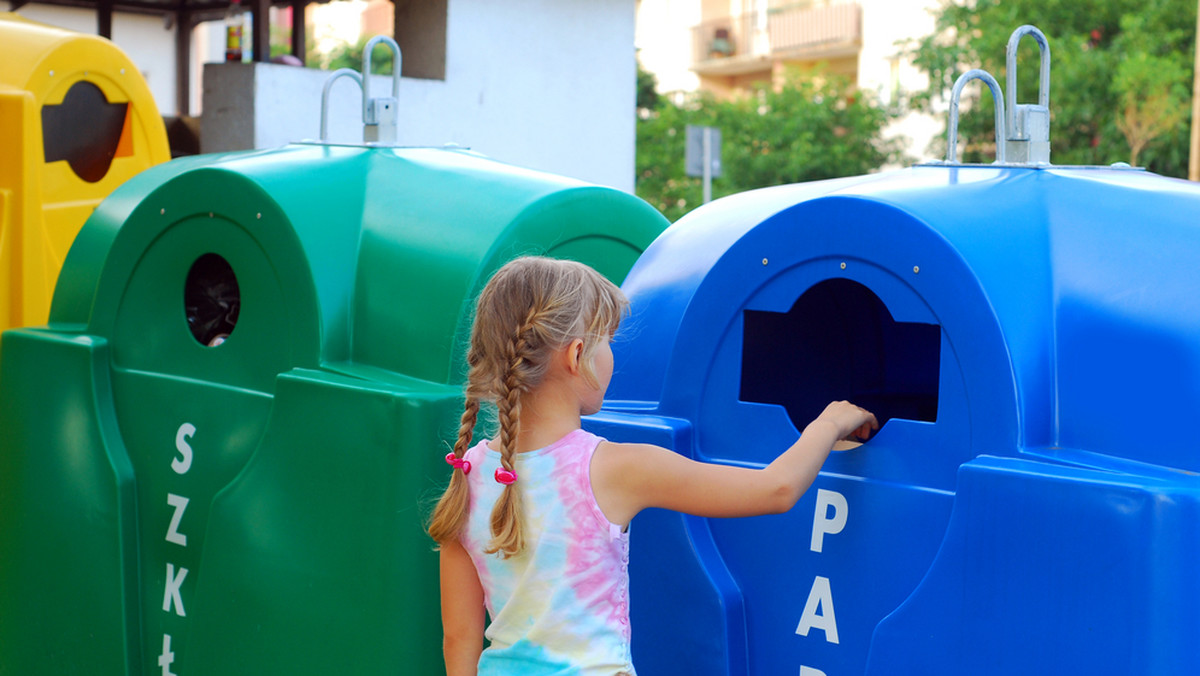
(76, 120)
(257, 506)
(1024, 332)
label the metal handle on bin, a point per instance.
(379, 114)
(952, 131)
(341, 72)
(1029, 124)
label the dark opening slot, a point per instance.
(84, 130)
(840, 342)
(211, 299)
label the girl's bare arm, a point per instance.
(463, 613)
(627, 478)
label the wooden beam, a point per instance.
(104, 14)
(420, 31)
(299, 49)
(211, 10)
(261, 11)
(183, 63)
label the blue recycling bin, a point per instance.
(1029, 336)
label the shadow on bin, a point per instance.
(215, 455)
(76, 121)
(1023, 329)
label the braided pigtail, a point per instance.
(528, 310)
(450, 515)
(507, 535)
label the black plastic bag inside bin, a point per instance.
(211, 300)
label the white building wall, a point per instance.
(546, 84)
(144, 38)
(543, 84)
(208, 46)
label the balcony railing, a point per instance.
(798, 32)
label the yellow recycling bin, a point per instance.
(76, 121)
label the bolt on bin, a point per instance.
(218, 454)
(76, 120)
(1019, 329)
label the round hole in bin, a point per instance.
(211, 300)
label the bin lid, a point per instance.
(1064, 299)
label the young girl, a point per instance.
(532, 527)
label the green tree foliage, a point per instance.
(1120, 76)
(805, 130)
(281, 40)
(647, 89)
(346, 55)
(341, 55)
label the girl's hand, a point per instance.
(850, 420)
(627, 478)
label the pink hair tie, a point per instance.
(505, 477)
(458, 463)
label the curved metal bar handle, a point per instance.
(366, 72)
(341, 72)
(952, 131)
(1011, 72)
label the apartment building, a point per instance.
(729, 46)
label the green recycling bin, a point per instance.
(217, 456)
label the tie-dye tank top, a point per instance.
(561, 606)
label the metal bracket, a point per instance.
(952, 129)
(1028, 124)
(378, 114)
(341, 72)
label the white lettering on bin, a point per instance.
(819, 597)
(823, 523)
(171, 595)
(180, 503)
(167, 657)
(184, 462)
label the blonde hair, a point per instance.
(529, 309)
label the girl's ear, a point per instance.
(574, 356)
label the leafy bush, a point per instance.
(806, 129)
